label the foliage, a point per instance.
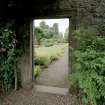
(37, 70)
(39, 34)
(89, 65)
(55, 30)
(45, 55)
(42, 60)
(46, 29)
(66, 34)
(51, 42)
(9, 56)
(48, 42)
(48, 36)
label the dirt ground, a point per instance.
(30, 97)
(55, 73)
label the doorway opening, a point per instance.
(51, 52)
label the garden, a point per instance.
(49, 45)
(88, 75)
(46, 55)
(87, 28)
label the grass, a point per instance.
(45, 55)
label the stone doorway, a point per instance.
(54, 78)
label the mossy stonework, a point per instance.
(79, 12)
(86, 48)
(25, 65)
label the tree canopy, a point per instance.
(39, 34)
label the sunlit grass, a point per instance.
(45, 55)
(48, 54)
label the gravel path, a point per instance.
(30, 97)
(56, 74)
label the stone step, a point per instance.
(52, 90)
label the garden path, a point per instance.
(56, 74)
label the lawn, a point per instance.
(45, 55)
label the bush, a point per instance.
(42, 60)
(47, 42)
(89, 66)
(37, 70)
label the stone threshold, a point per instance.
(51, 90)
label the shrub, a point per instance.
(37, 70)
(45, 55)
(89, 66)
(42, 60)
(48, 42)
(10, 53)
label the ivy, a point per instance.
(89, 66)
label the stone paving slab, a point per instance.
(51, 90)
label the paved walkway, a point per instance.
(56, 74)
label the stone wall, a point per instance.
(80, 12)
(57, 11)
(24, 34)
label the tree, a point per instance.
(60, 38)
(43, 24)
(51, 32)
(66, 34)
(55, 30)
(61, 35)
(45, 28)
(39, 34)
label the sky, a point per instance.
(62, 23)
